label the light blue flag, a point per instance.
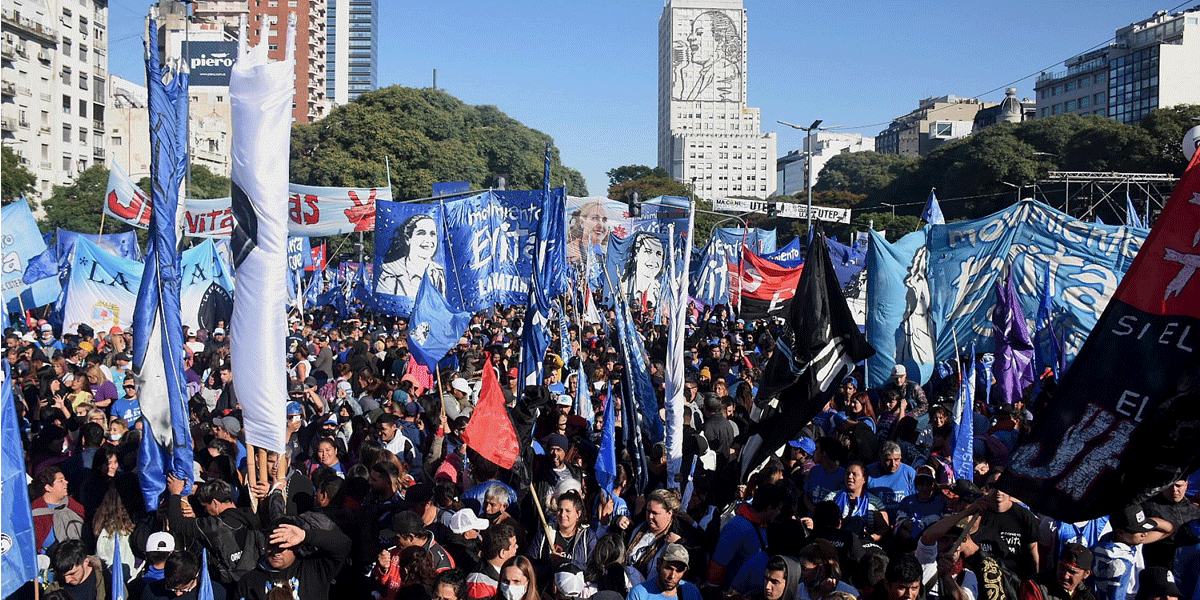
(42, 266)
(964, 436)
(434, 328)
(18, 560)
(1131, 215)
(157, 327)
(151, 474)
(22, 243)
(116, 576)
(205, 586)
(933, 211)
(606, 460)
(641, 396)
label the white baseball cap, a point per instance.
(160, 541)
(461, 385)
(465, 520)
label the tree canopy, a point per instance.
(77, 206)
(204, 184)
(428, 136)
(982, 173)
(15, 179)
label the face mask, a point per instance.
(343, 418)
(116, 437)
(512, 592)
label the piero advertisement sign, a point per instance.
(209, 63)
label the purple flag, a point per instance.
(1014, 351)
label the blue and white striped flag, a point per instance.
(157, 327)
(933, 211)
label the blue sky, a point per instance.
(585, 72)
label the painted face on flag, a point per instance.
(423, 243)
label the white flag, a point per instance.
(260, 93)
(675, 372)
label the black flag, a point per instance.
(818, 345)
(1126, 421)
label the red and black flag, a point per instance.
(818, 345)
(766, 288)
(1126, 420)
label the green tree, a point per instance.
(78, 206)
(427, 136)
(862, 172)
(1166, 127)
(893, 226)
(15, 179)
(630, 172)
(205, 184)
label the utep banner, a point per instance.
(20, 242)
(102, 289)
(312, 211)
(590, 220)
(790, 210)
(1125, 418)
(944, 274)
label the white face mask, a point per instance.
(512, 592)
(116, 437)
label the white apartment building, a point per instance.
(707, 136)
(789, 169)
(1150, 64)
(54, 74)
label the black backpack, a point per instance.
(230, 558)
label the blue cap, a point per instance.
(850, 381)
(806, 444)
(295, 408)
(558, 388)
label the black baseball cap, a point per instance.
(405, 522)
(1132, 520)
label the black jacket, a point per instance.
(312, 572)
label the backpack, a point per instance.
(231, 560)
(67, 524)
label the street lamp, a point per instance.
(808, 182)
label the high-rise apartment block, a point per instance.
(309, 103)
(1150, 64)
(707, 136)
(55, 86)
(790, 169)
(352, 45)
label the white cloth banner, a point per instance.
(312, 210)
(788, 210)
(260, 93)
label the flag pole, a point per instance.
(252, 474)
(549, 533)
(100, 235)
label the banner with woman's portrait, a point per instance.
(408, 243)
(636, 267)
(590, 220)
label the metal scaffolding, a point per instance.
(1087, 195)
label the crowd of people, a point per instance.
(378, 495)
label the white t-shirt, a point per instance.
(927, 556)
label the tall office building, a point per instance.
(1150, 64)
(352, 45)
(310, 102)
(707, 136)
(55, 86)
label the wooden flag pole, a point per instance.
(100, 235)
(252, 472)
(548, 531)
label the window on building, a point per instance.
(67, 164)
(83, 81)
(66, 75)
(1070, 106)
(1068, 86)
(116, 140)
(67, 46)
(66, 105)
(83, 52)
(1085, 101)
(83, 108)
(66, 132)
(83, 135)
(1098, 99)
(942, 129)
(1056, 90)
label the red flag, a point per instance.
(490, 432)
(421, 373)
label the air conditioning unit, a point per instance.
(44, 55)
